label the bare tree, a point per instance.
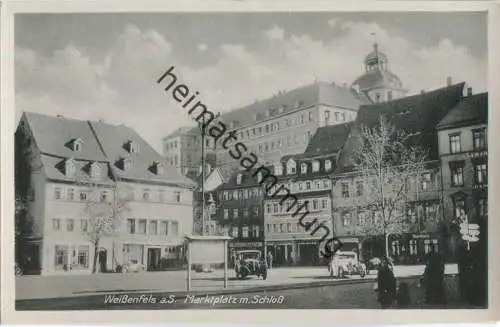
(104, 207)
(386, 163)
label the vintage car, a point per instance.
(250, 262)
(133, 266)
(346, 263)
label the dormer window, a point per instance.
(315, 166)
(259, 177)
(75, 144)
(278, 169)
(303, 168)
(132, 147)
(328, 165)
(239, 179)
(291, 167)
(95, 170)
(157, 168)
(125, 164)
(69, 168)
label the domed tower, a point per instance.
(378, 82)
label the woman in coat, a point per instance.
(386, 284)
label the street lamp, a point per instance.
(203, 132)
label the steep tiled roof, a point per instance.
(113, 139)
(416, 114)
(328, 140)
(471, 110)
(53, 135)
(247, 179)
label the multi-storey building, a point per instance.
(305, 177)
(239, 211)
(463, 150)
(66, 163)
(423, 228)
(283, 124)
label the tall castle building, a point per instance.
(284, 123)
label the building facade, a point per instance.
(84, 174)
(463, 150)
(420, 225)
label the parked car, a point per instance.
(374, 264)
(250, 262)
(18, 269)
(133, 266)
(346, 263)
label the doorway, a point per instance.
(103, 259)
(154, 256)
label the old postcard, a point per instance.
(227, 157)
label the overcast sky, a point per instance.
(105, 66)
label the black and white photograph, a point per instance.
(218, 160)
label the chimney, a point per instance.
(448, 81)
(469, 91)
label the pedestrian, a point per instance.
(269, 260)
(434, 278)
(386, 284)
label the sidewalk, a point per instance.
(33, 287)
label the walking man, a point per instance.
(269, 260)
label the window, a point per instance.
(481, 174)
(145, 194)
(315, 205)
(326, 116)
(104, 196)
(239, 178)
(226, 213)
(389, 95)
(235, 213)
(359, 188)
(303, 168)
(326, 184)
(315, 166)
(235, 231)
(291, 167)
(77, 145)
(61, 257)
(177, 197)
(457, 173)
(256, 211)
(411, 213)
(300, 186)
(56, 224)
(235, 194)
(131, 226)
(83, 196)
(256, 231)
(71, 193)
(377, 97)
(337, 116)
(164, 228)
(153, 227)
(70, 168)
(482, 208)
(459, 209)
(269, 228)
(324, 204)
(317, 184)
(455, 144)
(95, 170)
(70, 225)
(413, 247)
(346, 219)
(308, 185)
(245, 212)
(396, 248)
(426, 181)
(142, 226)
(479, 139)
(343, 116)
(57, 193)
(244, 231)
(83, 225)
(362, 217)
(345, 190)
(278, 169)
(328, 165)
(83, 256)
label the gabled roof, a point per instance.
(247, 180)
(53, 136)
(378, 78)
(471, 110)
(328, 140)
(416, 114)
(113, 140)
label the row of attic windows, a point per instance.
(77, 144)
(94, 168)
(270, 113)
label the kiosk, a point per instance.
(207, 250)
